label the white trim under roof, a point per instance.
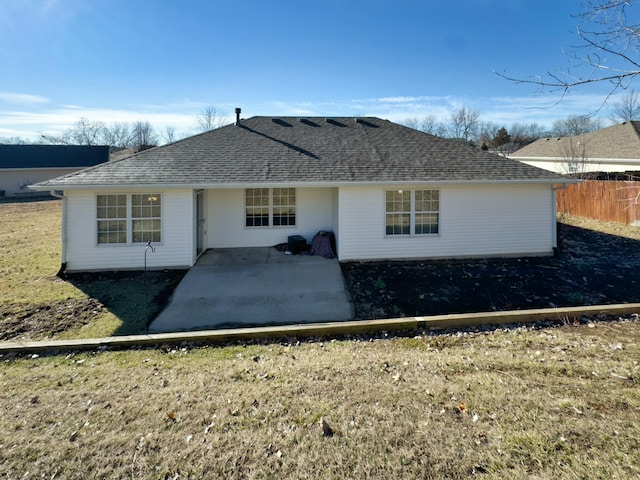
(197, 186)
(625, 161)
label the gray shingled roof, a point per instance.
(617, 141)
(52, 156)
(287, 150)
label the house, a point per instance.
(22, 165)
(386, 192)
(610, 149)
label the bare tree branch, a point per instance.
(628, 108)
(209, 118)
(609, 49)
(464, 123)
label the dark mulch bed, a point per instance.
(591, 268)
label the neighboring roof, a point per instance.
(52, 156)
(615, 142)
(291, 150)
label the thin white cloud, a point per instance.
(22, 98)
(542, 109)
(37, 118)
(396, 99)
(31, 124)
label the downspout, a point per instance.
(554, 219)
(63, 264)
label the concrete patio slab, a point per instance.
(242, 287)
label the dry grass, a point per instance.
(550, 403)
(30, 253)
(36, 304)
(611, 228)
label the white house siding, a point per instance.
(475, 220)
(336, 214)
(226, 218)
(83, 252)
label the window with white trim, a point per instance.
(398, 212)
(426, 211)
(412, 212)
(111, 211)
(257, 207)
(129, 218)
(265, 207)
(145, 218)
(284, 207)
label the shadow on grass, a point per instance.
(591, 268)
(134, 297)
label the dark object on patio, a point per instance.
(324, 244)
(296, 244)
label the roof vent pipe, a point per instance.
(238, 110)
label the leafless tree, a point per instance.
(15, 141)
(486, 132)
(144, 135)
(411, 122)
(575, 161)
(607, 51)
(428, 124)
(575, 125)
(86, 132)
(628, 108)
(169, 135)
(119, 136)
(463, 123)
(209, 118)
(523, 133)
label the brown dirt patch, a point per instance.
(591, 268)
(133, 297)
(27, 322)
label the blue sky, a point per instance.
(164, 61)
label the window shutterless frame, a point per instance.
(270, 207)
(111, 219)
(412, 212)
(128, 218)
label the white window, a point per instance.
(266, 207)
(129, 218)
(284, 207)
(398, 212)
(257, 207)
(426, 211)
(145, 218)
(412, 212)
(112, 218)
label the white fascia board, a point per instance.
(623, 161)
(208, 186)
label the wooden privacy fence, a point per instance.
(610, 201)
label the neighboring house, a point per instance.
(385, 191)
(611, 149)
(23, 165)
